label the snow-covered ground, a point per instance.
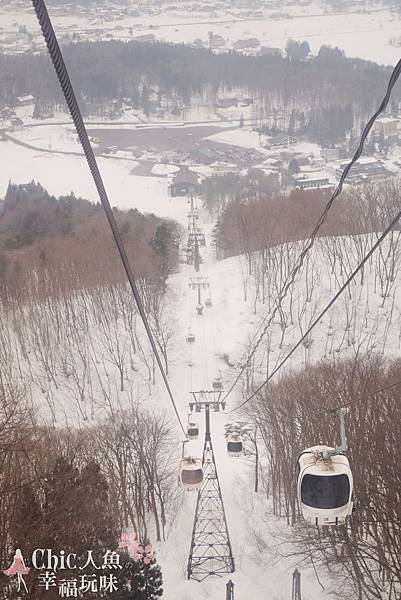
(61, 174)
(224, 329)
(164, 169)
(50, 137)
(239, 137)
(261, 542)
(352, 29)
(363, 322)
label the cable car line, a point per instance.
(369, 395)
(309, 244)
(69, 95)
(191, 469)
(324, 311)
(210, 549)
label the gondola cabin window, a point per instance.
(325, 491)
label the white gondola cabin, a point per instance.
(199, 309)
(217, 383)
(234, 444)
(325, 486)
(192, 430)
(190, 337)
(191, 473)
(208, 302)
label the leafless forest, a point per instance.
(70, 330)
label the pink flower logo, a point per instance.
(136, 550)
(145, 553)
(130, 542)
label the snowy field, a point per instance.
(224, 329)
(306, 23)
(61, 174)
(50, 137)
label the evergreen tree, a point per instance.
(75, 516)
(293, 166)
(139, 581)
(145, 100)
(291, 123)
(163, 243)
(304, 49)
(28, 519)
(3, 265)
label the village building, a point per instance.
(216, 41)
(243, 44)
(267, 51)
(365, 168)
(206, 156)
(330, 154)
(145, 38)
(281, 141)
(184, 182)
(25, 100)
(305, 182)
(386, 127)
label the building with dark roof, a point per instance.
(304, 182)
(281, 141)
(267, 51)
(184, 182)
(244, 44)
(365, 168)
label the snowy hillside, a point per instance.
(252, 111)
(365, 320)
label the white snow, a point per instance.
(164, 169)
(224, 329)
(50, 137)
(238, 137)
(61, 174)
(262, 573)
(352, 30)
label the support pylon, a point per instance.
(296, 585)
(196, 257)
(210, 552)
(229, 590)
(199, 283)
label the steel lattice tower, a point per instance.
(210, 552)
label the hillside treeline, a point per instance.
(254, 221)
(339, 362)
(292, 415)
(73, 352)
(76, 491)
(324, 96)
(52, 245)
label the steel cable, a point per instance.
(324, 311)
(69, 95)
(309, 244)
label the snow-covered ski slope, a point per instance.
(361, 321)
(367, 319)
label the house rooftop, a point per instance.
(387, 120)
(184, 175)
